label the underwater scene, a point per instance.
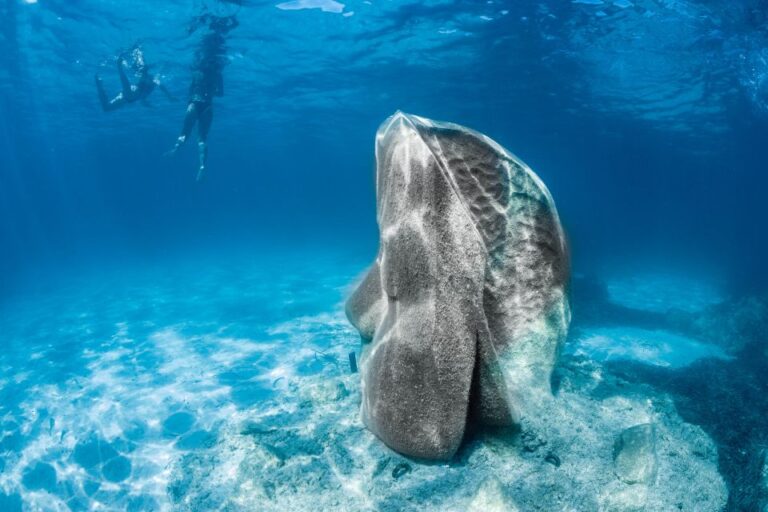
(384, 255)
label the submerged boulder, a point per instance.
(634, 454)
(465, 309)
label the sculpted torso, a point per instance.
(465, 308)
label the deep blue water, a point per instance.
(139, 309)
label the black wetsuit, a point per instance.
(207, 82)
(130, 93)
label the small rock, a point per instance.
(531, 441)
(381, 465)
(634, 454)
(325, 392)
(400, 470)
(552, 459)
(490, 498)
(269, 490)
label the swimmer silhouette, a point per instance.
(207, 82)
(131, 92)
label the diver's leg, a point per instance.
(202, 155)
(203, 126)
(106, 104)
(193, 114)
(102, 94)
(126, 84)
(131, 92)
(117, 102)
(189, 122)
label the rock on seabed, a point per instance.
(635, 454)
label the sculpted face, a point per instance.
(464, 309)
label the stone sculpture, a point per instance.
(465, 309)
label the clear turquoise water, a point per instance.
(143, 316)
(111, 378)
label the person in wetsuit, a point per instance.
(207, 82)
(140, 91)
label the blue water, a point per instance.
(142, 312)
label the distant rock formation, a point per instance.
(464, 310)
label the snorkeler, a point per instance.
(131, 93)
(207, 82)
